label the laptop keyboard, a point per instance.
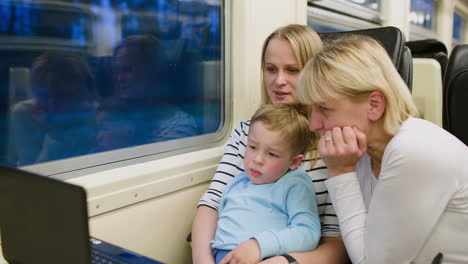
(99, 258)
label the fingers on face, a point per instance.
(325, 142)
(337, 136)
(361, 139)
(349, 135)
(339, 139)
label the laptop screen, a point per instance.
(42, 220)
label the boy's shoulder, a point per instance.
(298, 175)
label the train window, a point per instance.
(88, 84)
(324, 20)
(422, 13)
(366, 10)
(458, 27)
(422, 19)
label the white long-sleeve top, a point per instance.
(417, 208)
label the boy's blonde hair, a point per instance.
(354, 66)
(292, 121)
(305, 43)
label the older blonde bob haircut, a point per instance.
(292, 122)
(354, 66)
(304, 41)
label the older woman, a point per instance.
(399, 184)
(284, 54)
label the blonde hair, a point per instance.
(292, 121)
(354, 66)
(305, 43)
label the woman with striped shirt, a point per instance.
(284, 54)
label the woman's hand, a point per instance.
(247, 252)
(275, 260)
(341, 149)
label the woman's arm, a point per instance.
(230, 165)
(331, 250)
(205, 221)
(203, 231)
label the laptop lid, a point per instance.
(42, 220)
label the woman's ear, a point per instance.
(377, 103)
(296, 162)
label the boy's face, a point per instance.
(268, 156)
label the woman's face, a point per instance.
(339, 112)
(281, 71)
(131, 78)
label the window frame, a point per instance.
(83, 165)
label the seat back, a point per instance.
(455, 93)
(391, 38)
(427, 89)
(430, 48)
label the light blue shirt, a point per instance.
(282, 216)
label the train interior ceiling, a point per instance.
(135, 100)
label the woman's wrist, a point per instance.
(290, 259)
(340, 171)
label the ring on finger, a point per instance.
(328, 139)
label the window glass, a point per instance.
(373, 4)
(458, 27)
(322, 20)
(319, 27)
(80, 77)
(422, 13)
(365, 10)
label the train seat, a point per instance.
(430, 48)
(455, 93)
(405, 68)
(392, 39)
(427, 89)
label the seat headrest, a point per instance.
(426, 46)
(458, 62)
(391, 38)
(456, 93)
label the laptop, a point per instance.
(45, 220)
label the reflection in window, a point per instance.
(83, 77)
(373, 4)
(320, 27)
(365, 10)
(422, 13)
(458, 27)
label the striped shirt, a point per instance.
(232, 163)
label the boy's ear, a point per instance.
(296, 162)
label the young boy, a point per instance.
(270, 208)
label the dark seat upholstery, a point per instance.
(392, 39)
(430, 48)
(455, 93)
(406, 68)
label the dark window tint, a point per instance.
(422, 13)
(79, 77)
(458, 27)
